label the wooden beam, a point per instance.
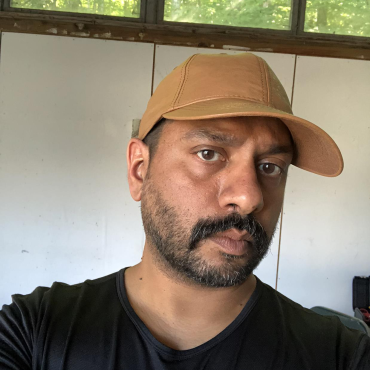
(188, 35)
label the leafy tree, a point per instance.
(345, 17)
(338, 17)
(273, 14)
(119, 8)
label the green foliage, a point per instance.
(338, 17)
(119, 8)
(344, 17)
(273, 14)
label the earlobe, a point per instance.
(137, 166)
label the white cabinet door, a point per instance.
(66, 109)
(326, 233)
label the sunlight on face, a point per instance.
(223, 179)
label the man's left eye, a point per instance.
(270, 169)
(209, 155)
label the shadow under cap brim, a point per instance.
(315, 150)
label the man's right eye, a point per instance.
(270, 169)
(209, 155)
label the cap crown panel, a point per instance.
(217, 76)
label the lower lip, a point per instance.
(231, 246)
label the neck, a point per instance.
(179, 313)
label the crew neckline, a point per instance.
(182, 354)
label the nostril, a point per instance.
(233, 205)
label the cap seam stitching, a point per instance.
(183, 81)
(268, 84)
(180, 83)
(178, 87)
(217, 96)
(261, 75)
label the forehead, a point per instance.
(234, 131)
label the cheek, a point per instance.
(273, 202)
(188, 188)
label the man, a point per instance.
(209, 166)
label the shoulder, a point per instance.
(324, 338)
(61, 293)
(22, 321)
(304, 320)
(30, 306)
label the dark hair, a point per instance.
(152, 139)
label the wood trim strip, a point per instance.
(190, 35)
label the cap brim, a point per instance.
(315, 151)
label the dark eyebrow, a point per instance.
(278, 149)
(220, 138)
(232, 140)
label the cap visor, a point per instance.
(316, 151)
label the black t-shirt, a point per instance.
(92, 326)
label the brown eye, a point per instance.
(208, 155)
(270, 169)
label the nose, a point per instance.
(240, 190)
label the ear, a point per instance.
(137, 166)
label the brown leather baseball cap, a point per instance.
(209, 86)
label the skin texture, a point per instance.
(203, 170)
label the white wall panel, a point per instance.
(325, 235)
(66, 107)
(168, 57)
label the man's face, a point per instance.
(212, 196)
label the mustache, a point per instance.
(208, 227)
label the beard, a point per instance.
(178, 250)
